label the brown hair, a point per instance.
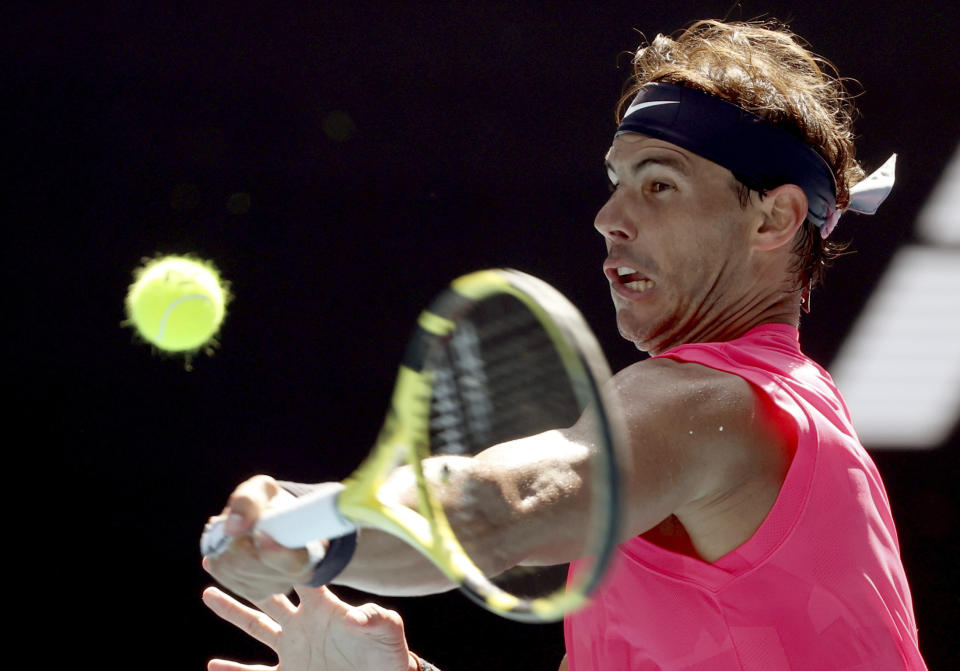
(766, 69)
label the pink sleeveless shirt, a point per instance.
(819, 586)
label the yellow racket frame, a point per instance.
(404, 440)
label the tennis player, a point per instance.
(758, 533)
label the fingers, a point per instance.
(255, 623)
(321, 599)
(294, 563)
(247, 501)
(279, 607)
(253, 564)
(369, 616)
(370, 621)
(255, 574)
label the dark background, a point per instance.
(340, 162)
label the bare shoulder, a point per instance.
(696, 407)
(701, 439)
(686, 390)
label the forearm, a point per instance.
(517, 503)
(384, 564)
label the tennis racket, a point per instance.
(498, 356)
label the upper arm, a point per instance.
(693, 433)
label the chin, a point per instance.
(633, 332)
(646, 335)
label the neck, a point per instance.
(728, 322)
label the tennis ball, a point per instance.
(176, 303)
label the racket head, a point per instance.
(508, 357)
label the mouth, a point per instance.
(630, 278)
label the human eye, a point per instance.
(658, 186)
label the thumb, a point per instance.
(381, 624)
(247, 503)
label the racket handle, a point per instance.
(310, 517)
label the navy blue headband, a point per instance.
(759, 154)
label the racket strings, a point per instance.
(527, 380)
(497, 377)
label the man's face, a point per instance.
(678, 247)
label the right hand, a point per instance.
(322, 633)
(255, 566)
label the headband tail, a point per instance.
(866, 196)
(869, 193)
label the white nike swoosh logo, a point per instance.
(652, 103)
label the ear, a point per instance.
(784, 210)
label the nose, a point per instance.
(611, 222)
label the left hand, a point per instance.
(322, 633)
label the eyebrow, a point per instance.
(668, 161)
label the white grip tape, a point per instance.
(312, 516)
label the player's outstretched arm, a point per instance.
(702, 445)
(695, 436)
(322, 633)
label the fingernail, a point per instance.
(234, 524)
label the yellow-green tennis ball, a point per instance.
(176, 303)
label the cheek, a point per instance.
(691, 247)
(721, 231)
(699, 260)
